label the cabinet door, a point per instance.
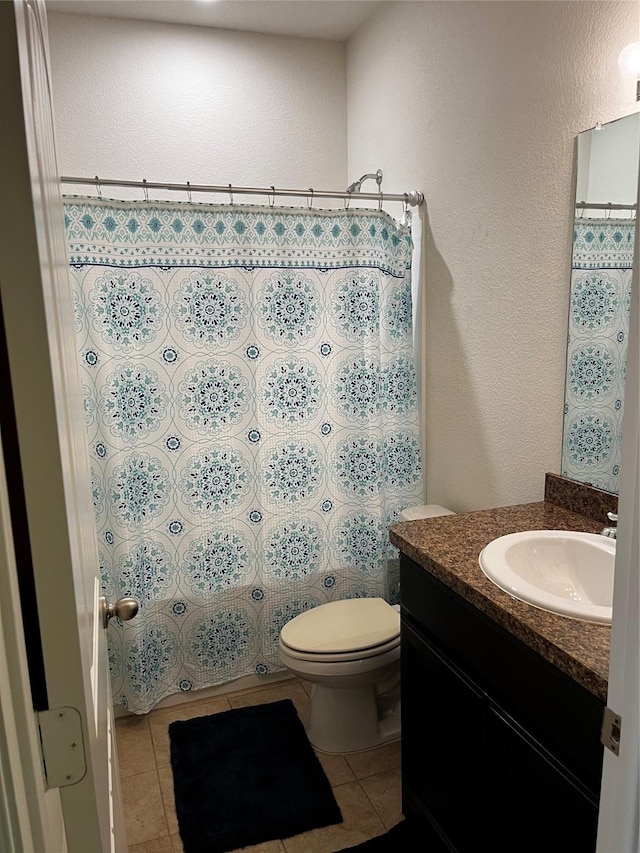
(535, 803)
(443, 742)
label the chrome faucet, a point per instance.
(611, 532)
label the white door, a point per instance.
(51, 450)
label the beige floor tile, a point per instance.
(283, 690)
(143, 808)
(360, 822)
(159, 723)
(157, 845)
(385, 793)
(308, 686)
(368, 807)
(336, 768)
(133, 742)
(165, 776)
(372, 761)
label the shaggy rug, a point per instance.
(246, 776)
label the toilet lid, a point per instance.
(342, 626)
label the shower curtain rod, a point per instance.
(413, 197)
(583, 205)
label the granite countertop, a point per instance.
(448, 547)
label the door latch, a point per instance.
(610, 733)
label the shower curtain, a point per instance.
(597, 350)
(250, 402)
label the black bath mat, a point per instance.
(246, 776)
(404, 837)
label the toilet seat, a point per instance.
(342, 630)
(338, 657)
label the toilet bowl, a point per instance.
(350, 651)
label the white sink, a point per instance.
(561, 571)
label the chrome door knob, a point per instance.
(124, 608)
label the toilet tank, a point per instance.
(413, 513)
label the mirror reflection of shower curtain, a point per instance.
(597, 350)
(251, 409)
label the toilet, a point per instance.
(350, 651)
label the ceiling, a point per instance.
(323, 19)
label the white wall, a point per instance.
(178, 103)
(478, 104)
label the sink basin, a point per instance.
(561, 571)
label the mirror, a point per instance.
(601, 265)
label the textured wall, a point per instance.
(478, 104)
(179, 103)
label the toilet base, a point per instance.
(351, 720)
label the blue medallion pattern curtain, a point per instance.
(251, 409)
(597, 350)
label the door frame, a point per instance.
(619, 817)
(30, 816)
(48, 447)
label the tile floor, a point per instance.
(366, 785)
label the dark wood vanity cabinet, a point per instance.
(500, 749)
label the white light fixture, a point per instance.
(629, 64)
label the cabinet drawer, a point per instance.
(535, 803)
(443, 742)
(475, 773)
(555, 709)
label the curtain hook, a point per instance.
(189, 193)
(98, 188)
(347, 200)
(380, 202)
(607, 214)
(310, 200)
(146, 191)
(273, 196)
(230, 195)
(406, 212)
